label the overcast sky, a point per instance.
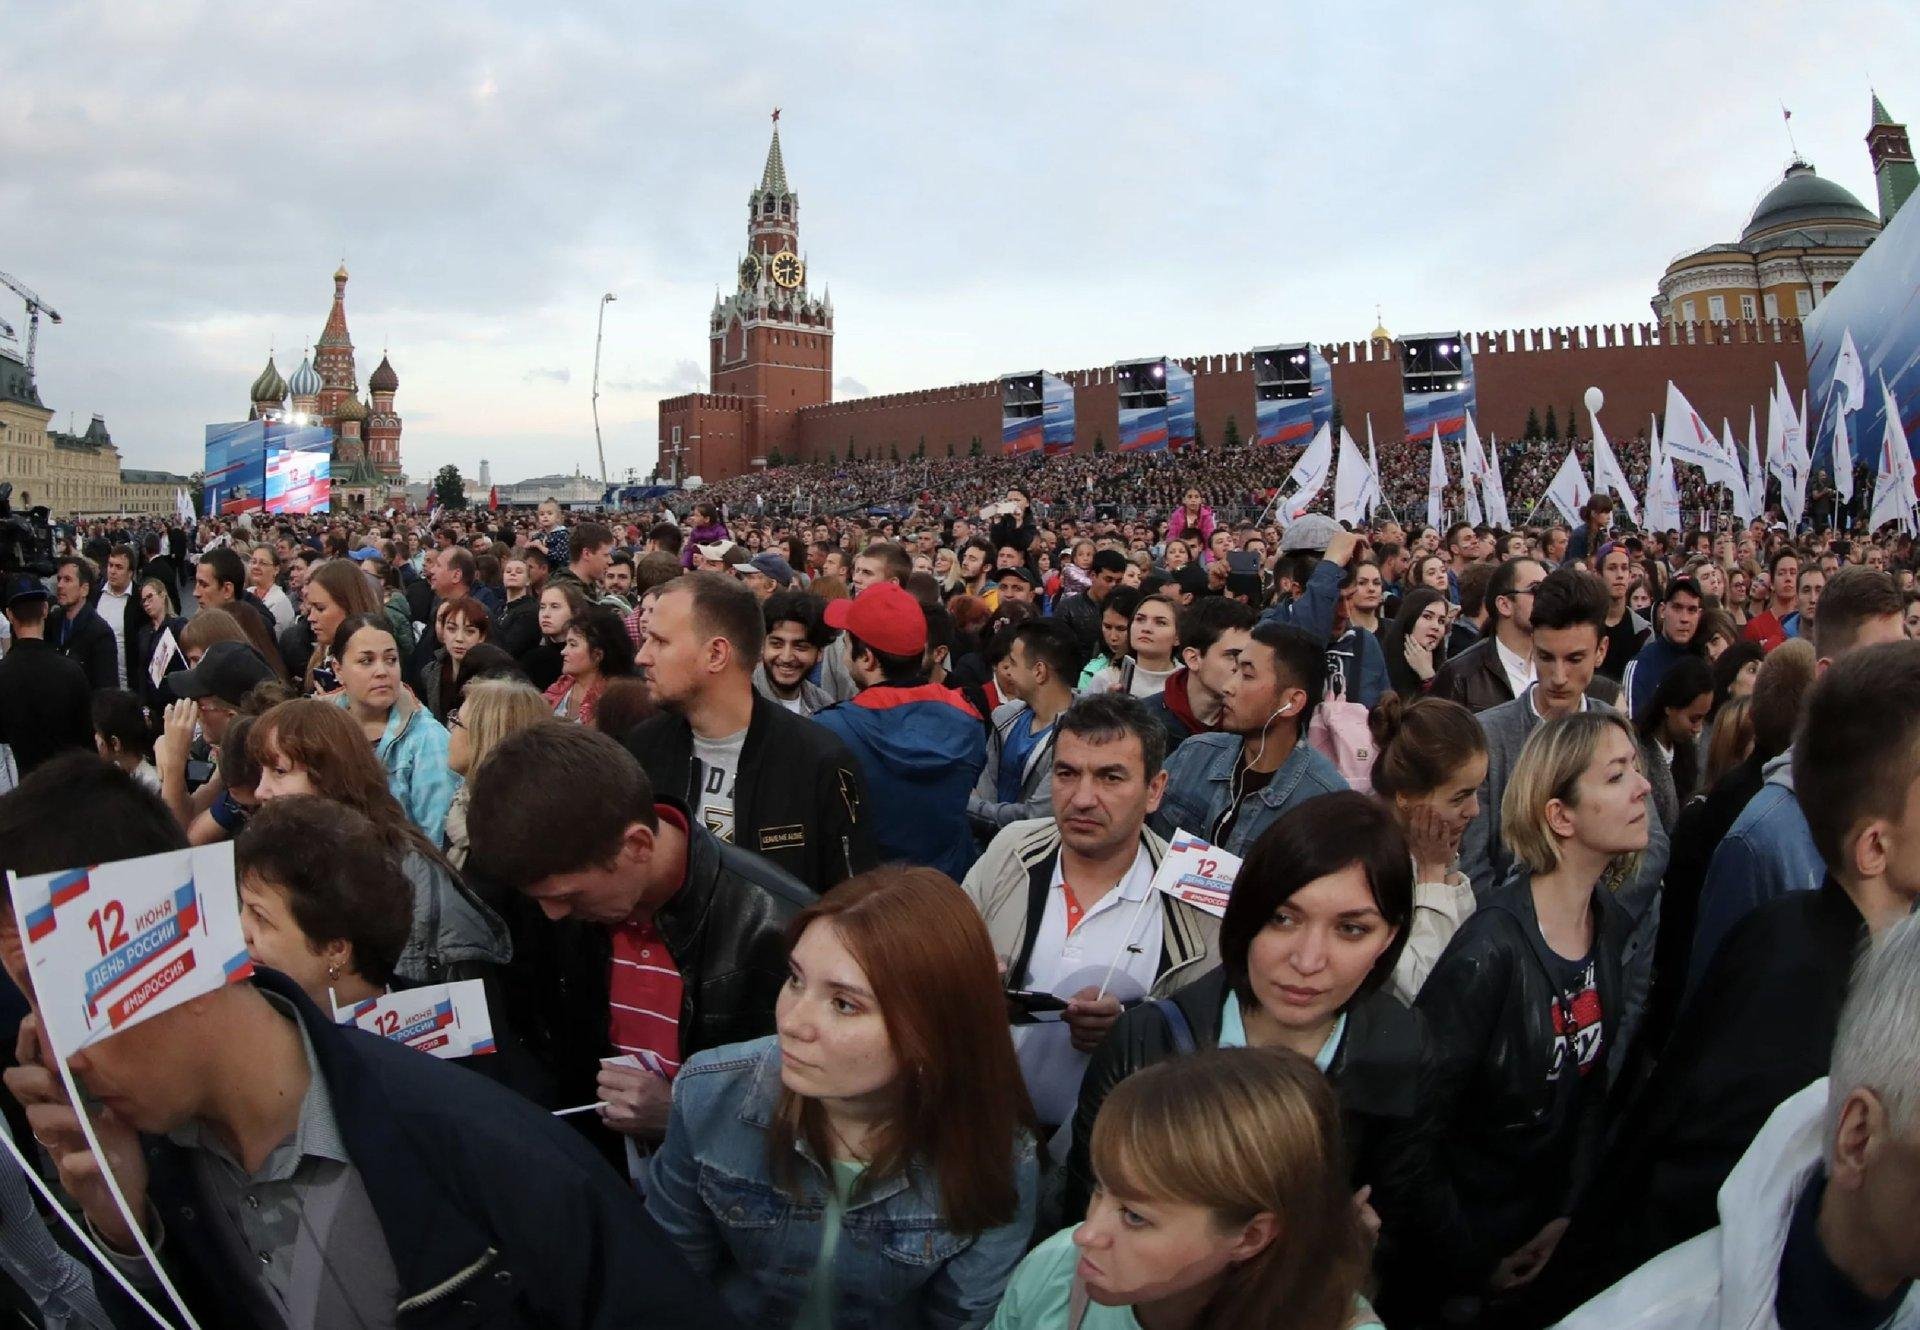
(983, 187)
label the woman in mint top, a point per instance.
(1318, 917)
(872, 1164)
(1222, 1204)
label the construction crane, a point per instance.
(35, 308)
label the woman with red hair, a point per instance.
(823, 1177)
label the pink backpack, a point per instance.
(1339, 733)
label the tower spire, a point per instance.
(773, 180)
(1895, 175)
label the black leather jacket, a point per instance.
(1376, 1073)
(726, 931)
(1493, 1163)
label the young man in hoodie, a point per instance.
(921, 746)
(1679, 636)
(1816, 1224)
(1213, 631)
(1016, 783)
(1784, 970)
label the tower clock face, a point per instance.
(749, 270)
(787, 269)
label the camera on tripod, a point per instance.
(26, 540)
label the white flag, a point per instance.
(1742, 498)
(1493, 488)
(183, 508)
(1893, 497)
(1607, 475)
(1779, 465)
(1687, 439)
(1436, 483)
(1468, 492)
(1373, 464)
(1663, 498)
(1309, 476)
(1756, 474)
(1842, 459)
(1355, 488)
(1568, 491)
(1849, 374)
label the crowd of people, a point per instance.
(824, 861)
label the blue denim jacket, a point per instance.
(1200, 786)
(896, 1265)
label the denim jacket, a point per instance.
(712, 1190)
(1200, 786)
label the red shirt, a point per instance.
(1765, 629)
(644, 987)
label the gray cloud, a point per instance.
(685, 377)
(848, 386)
(561, 375)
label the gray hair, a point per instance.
(1877, 1045)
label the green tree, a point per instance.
(893, 452)
(1199, 434)
(448, 489)
(973, 448)
(775, 458)
(1099, 443)
(1553, 426)
(1573, 419)
(920, 453)
(1230, 436)
(949, 447)
(1532, 432)
(1337, 421)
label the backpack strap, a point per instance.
(1177, 1025)
(1076, 1304)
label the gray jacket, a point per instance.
(812, 696)
(1488, 863)
(453, 929)
(984, 808)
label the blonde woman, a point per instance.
(490, 711)
(1222, 1199)
(1523, 1009)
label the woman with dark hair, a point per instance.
(1415, 642)
(596, 649)
(336, 592)
(1523, 1014)
(560, 604)
(1316, 922)
(407, 741)
(708, 529)
(1116, 624)
(463, 624)
(1221, 1204)
(309, 746)
(1431, 760)
(1669, 729)
(1429, 571)
(872, 1164)
(1734, 672)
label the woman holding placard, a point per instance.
(151, 638)
(1222, 1205)
(1523, 1010)
(1431, 759)
(1317, 919)
(871, 1165)
(309, 746)
(408, 742)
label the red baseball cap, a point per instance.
(885, 617)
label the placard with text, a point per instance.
(444, 1020)
(1198, 873)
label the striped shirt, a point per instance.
(644, 989)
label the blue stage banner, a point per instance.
(1036, 413)
(1056, 414)
(234, 473)
(1446, 409)
(299, 469)
(252, 465)
(1876, 303)
(1295, 420)
(1180, 406)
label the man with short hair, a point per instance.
(1768, 627)
(1015, 583)
(1081, 611)
(879, 562)
(1213, 632)
(670, 940)
(592, 550)
(617, 582)
(1812, 582)
(1626, 631)
(46, 703)
(1068, 903)
(1043, 661)
(1470, 589)
(260, 1145)
(919, 744)
(78, 631)
(1499, 667)
(1229, 786)
(219, 583)
(117, 602)
(753, 773)
(1678, 638)
(1770, 850)
(796, 635)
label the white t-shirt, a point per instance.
(279, 608)
(720, 766)
(1125, 923)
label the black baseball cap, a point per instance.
(228, 671)
(23, 587)
(1016, 571)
